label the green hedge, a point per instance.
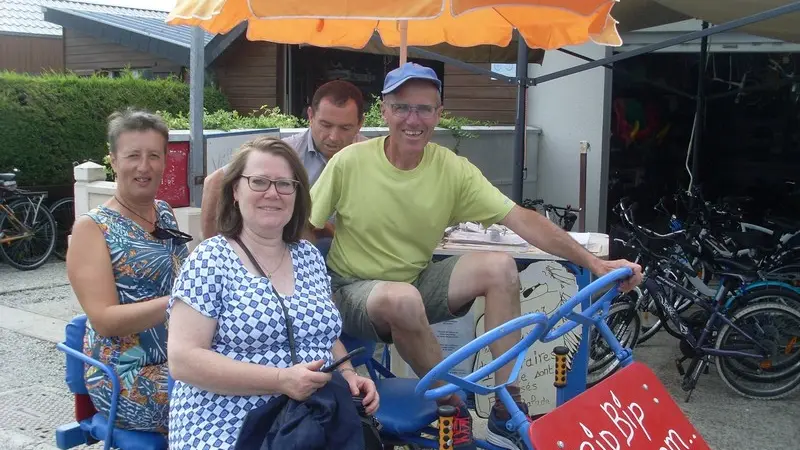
(48, 122)
(274, 118)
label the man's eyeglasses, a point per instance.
(178, 237)
(403, 110)
(262, 184)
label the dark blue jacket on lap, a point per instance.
(326, 420)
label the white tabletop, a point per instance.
(598, 245)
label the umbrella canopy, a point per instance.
(545, 24)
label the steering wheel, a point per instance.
(586, 317)
(518, 351)
(468, 383)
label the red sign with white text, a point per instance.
(174, 187)
(629, 410)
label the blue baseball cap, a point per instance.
(409, 71)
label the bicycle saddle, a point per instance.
(752, 239)
(7, 176)
(745, 271)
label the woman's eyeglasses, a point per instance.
(178, 237)
(283, 186)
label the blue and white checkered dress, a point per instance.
(251, 328)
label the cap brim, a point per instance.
(399, 83)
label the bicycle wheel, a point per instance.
(748, 367)
(670, 319)
(31, 252)
(650, 323)
(649, 314)
(63, 212)
(770, 383)
(623, 320)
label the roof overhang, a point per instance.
(128, 38)
(142, 41)
(732, 41)
(784, 28)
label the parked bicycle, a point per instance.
(564, 217)
(750, 326)
(63, 212)
(27, 228)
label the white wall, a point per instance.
(569, 110)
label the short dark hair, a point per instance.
(339, 92)
(229, 218)
(132, 119)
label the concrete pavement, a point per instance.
(35, 306)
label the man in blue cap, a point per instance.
(393, 197)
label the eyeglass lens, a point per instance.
(404, 110)
(262, 184)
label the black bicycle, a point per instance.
(752, 334)
(27, 229)
(565, 217)
(63, 212)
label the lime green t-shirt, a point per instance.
(388, 220)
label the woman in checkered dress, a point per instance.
(228, 345)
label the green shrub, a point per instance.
(229, 120)
(48, 122)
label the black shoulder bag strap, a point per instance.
(286, 317)
(370, 425)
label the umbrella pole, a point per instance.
(520, 125)
(403, 41)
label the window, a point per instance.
(509, 70)
(145, 73)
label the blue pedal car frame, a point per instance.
(408, 407)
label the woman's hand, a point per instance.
(302, 380)
(365, 387)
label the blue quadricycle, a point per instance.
(408, 408)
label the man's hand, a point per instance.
(602, 267)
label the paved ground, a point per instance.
(34, 307)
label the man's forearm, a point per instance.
(549, 237)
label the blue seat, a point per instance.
(91, 426)
(403, 412)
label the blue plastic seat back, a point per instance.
(97, 426)
(324, 246)
(75, 330)
(351, 343)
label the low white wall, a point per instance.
(491, 151)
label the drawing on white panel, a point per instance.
(544, 287)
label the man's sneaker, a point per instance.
(499, 435)
(462, 430)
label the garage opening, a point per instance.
(750, 143)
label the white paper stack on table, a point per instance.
(474, 233)
(498, 235)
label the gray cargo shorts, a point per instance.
(350, 296)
